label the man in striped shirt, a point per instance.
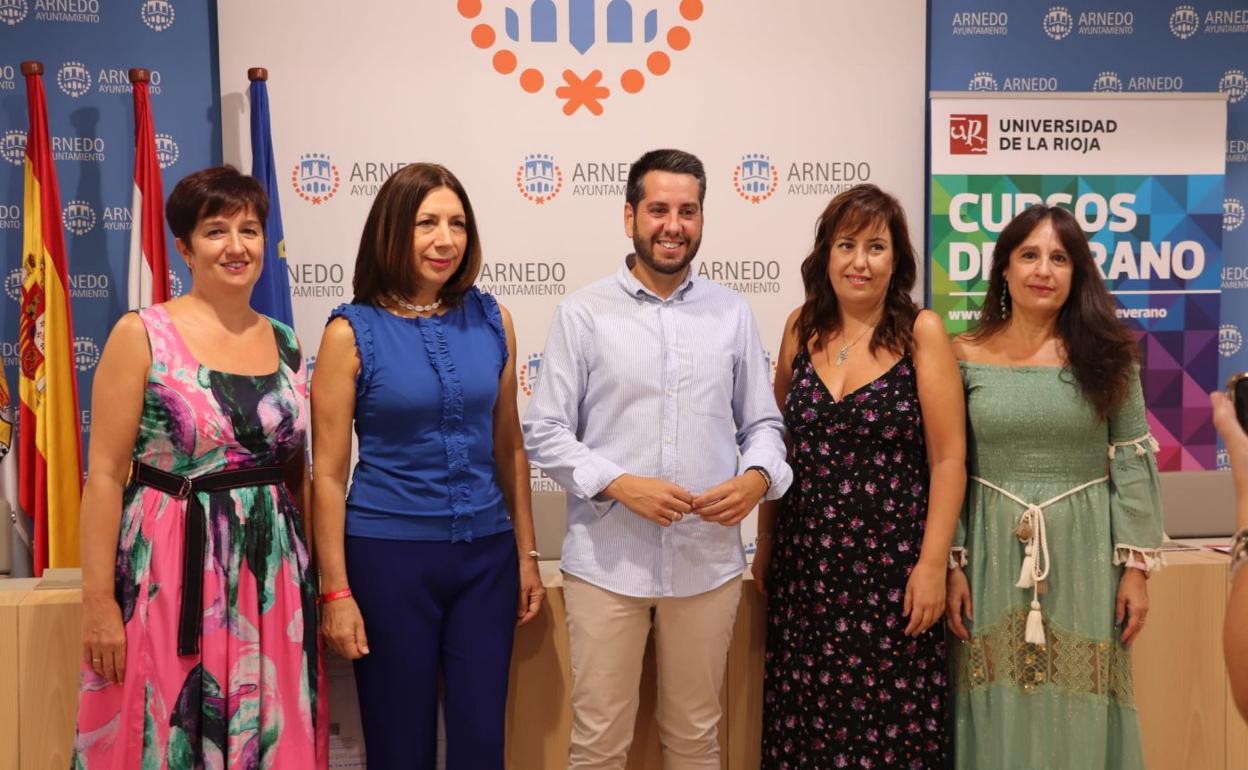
(655, 412)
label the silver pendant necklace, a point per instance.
(843, 354)
(418, 308)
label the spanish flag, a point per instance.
(49, 435)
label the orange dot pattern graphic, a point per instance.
(504, 62)
(531, 80)
(632, 81)
(484, 35)
(678, 38)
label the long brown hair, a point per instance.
(384, 266)
(856, 210)
(1100, 350)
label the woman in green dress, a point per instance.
(1062, 520)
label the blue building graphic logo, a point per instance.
(539, 178)
(1107, 83)
(1184, 22)
(529, 372)
(167, 152)
(1058, 22)
(982, 81)
(79, 217)
(1232, 214)
(86, 353)
(1230, 340)
(543, 23)
(13, 147)
(13, 12)
(73, 78)
(539, 41)
(13, 284)
(315, 178)
(1234, 84)
(157, 14)
(755, 178)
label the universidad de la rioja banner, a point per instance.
(1144, 177)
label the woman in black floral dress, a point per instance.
(853, 559)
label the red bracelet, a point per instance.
(334, 595)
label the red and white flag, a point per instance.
(149, 266)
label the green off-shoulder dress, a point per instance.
(1066, 704)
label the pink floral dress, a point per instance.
(253, 695)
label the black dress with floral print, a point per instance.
(845, 687)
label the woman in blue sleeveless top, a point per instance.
(422, 561)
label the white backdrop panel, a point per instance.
(828, 93)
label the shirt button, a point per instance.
(667, 440)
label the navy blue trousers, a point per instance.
(430, 606)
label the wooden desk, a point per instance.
(1187, 716)
(12, 592)
(1180, 679)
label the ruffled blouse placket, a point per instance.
(433, 333)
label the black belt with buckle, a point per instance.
(191, 614)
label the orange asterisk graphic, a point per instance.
(582, 93)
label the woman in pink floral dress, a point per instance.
(200, 647)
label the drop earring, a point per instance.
(1005, 304)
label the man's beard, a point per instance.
(646, 254)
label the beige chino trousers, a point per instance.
(608, 640)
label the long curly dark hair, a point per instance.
(858, 209)
(1100, 350)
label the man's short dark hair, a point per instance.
(672, 161)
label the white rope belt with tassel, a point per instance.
(1031, 531)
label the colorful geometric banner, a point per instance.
(1156, 238)
(1128, 47)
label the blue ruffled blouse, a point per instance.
(424, 418)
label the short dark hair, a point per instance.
(383, 265)
(672, 161)
(209, 192)
(1101, 351)
(859, 209)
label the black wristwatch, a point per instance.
(762, 472)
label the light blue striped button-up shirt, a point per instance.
(676, 389)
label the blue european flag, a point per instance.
(272, 293)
